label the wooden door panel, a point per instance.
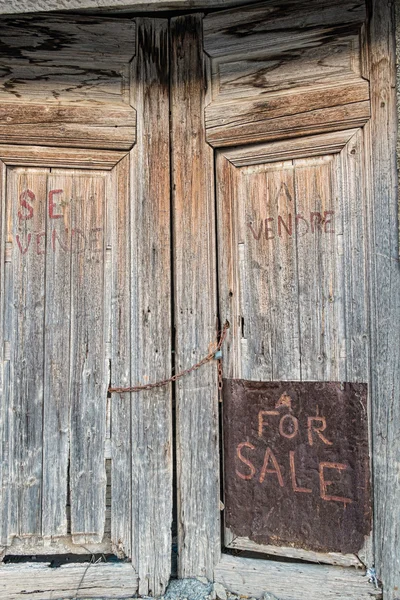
(293, 244)
(288, 85)
(85, 293)
(57, 327)
(293, 255)
(261, 53)
(67, 81)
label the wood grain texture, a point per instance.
(293, 581)
(292, 287)
(121, 443)
(88, 374)
(271, 70)
(313, 145)
(67, 81)
(273, 24)
(84, 580)
(56, 367)
(4, 367)
(101, 127)
(25, 323)
(42, 156)
(150, 344)
(385, 299)
(331, 558)
(25, 6)
(276, 117)
(195, 305)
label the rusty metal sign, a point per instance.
(296, 464)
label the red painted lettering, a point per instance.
(315, 220)
(255, 234)
(295, 487)
(261, 421)
(285, 188)
(55, 236)
(245, 461)
(324, 484)
(39, 237)
(24, 250)
(52, 204)
(328, 221)
(267, 229)
(289, 228)
(292, 427)
(23, 200)
(275, 470)
(318, 430)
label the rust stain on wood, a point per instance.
(297, 464)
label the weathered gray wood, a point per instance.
(308, 112)
(56, 367)
(293, 581)
(272, 24)
(331, 558)
(272, 70)
(329, 264)
(66, 81)
(84, 580)
(25, 317)
(313, 145)
(195, 305)
(41, 156)
(25, 6)
(88, 376)
(320, 303)
(121, 442)
(4, 365)
(108, 126)
(385, 299)
(294, 289)
(351, 187)
(150, 347)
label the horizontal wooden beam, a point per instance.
(78, 580)
(26, 6)
(291, 581)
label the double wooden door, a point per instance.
(161, 176)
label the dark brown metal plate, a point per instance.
(296, 464)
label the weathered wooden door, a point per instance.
(295, 113)
(85, 295)
(268, 129)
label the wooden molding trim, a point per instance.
(304, 147)
(42, 156)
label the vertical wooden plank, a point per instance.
(320, 300)
(268, 273)
(195, 305)
(121, 443)
(151, 311)
(26, 199)
(229, 297)
(4, 365)
(385, 299)
(88, 377)
(351, 256)
(56, 412)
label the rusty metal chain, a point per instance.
(216, 354)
